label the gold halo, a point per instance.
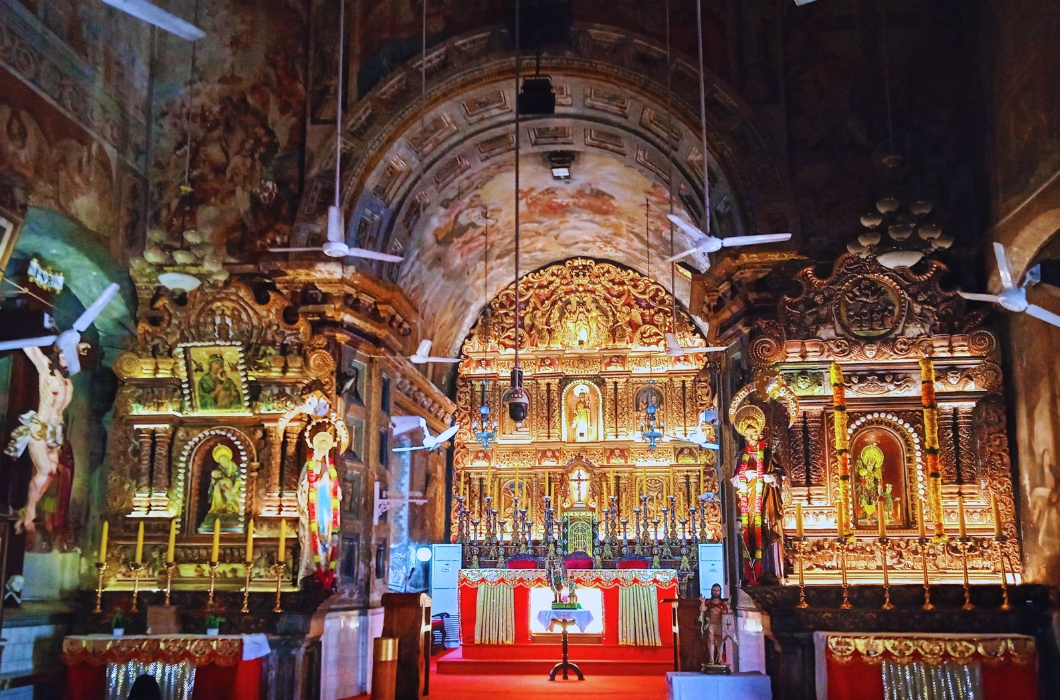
(221, 450)
(747, 417)
(336, 428)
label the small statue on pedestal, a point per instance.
(712, 614)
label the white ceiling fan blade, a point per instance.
(1004, 268)
(439, 359)
(424, 349)
(980, 297)
(67, 343)
(296, 250)
(756, 239)
(680, 255)
(28, 342)
(86, 319)
(407, 424)
(409, 449)
(1040, 313)
(446, 434)
(713, 348)
(151, 14)
(371, 254)
(686, 226)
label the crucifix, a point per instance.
(580, 482)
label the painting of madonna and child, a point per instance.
(215, 378)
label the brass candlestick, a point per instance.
(137, 569)
(963, 545)
(278, 570)
(924, 541)
(842, 541)
(800, 549)
(170, 566)
(213, 581)
(246, 592)
(887, 605)
(101, 567)
(999, 543)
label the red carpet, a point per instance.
(538, 659)
(537, 686)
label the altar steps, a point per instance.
(536, 659)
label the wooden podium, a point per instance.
(407, 618)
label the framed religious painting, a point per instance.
(215, 379)
(10, 227)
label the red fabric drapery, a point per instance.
(239, 682)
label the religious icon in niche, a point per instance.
(578, 486)
(215, 375)
(220, 484)
(869, 307)
(583, 409)
(879, 483)
(42, 431)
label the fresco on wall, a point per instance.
(598, 213)
(247, 126)
(48, 161)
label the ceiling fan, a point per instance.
(713, 244)
(698, 437)
(67, 341)
(674, 349)
(430, 442)
(336, 247)
(1012, 297)
(141, 9)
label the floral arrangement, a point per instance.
(931, 445)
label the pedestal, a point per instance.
(407, 618)
(697, 686)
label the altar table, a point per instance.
(868, 666)
(690, 685)
(659, 584)
(221, 670)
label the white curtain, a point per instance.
(495, 615)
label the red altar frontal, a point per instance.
(501, 633)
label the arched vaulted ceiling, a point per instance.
(427, 194)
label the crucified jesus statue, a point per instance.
(42, 430)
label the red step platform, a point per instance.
(528, 659)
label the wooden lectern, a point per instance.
(407, 618)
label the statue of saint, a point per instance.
(582, 420)
(319, 497)
(42, 430)
(712, 613)
(750, 479)
(225, 484)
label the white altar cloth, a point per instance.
(688, 685)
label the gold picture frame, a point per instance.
(215, 378)
(10, 228)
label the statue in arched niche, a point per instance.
(582, 413)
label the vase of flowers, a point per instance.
(117, 625)
(213, 625)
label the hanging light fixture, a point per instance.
(515, 398)
(652, 429)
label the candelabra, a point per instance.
(170, 567)
(500, 542)
(485, 430)
(137, 569)
(692, 524)
(101, 567)
(636, 532)
(625, 538)
(999, 544)
(884, 542)
(964, 544)
(213, 580)
(924, 541)
(842, 545)
(800, 550)
(277, 570)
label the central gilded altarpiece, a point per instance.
(587, 474)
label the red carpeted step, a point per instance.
(539, 659)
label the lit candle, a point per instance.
(515, 484)
(882, 517)
(798, 520)
(140, 543)
(997, 515)
(282, 556)
(962, 526)
(172, 540)
(103, 542)
(250, 541)
(216, 540)
(921, 527)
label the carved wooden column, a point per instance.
(291, 468)
(160, 474)
(275, 437)
(143, 477)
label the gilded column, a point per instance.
(291, 469)
(143, 477)
(931, 444)
(160, 472)
(275, 438)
